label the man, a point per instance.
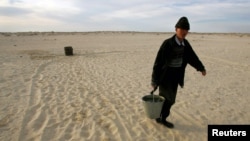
(169, 67)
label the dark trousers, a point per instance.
(168, 89)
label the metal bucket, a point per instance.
(153, 105)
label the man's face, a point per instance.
(181, 33)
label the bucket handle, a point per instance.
(152, 92)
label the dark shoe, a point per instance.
(158, 120)
(168, 124)
(165, 123)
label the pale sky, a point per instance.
(124, 15)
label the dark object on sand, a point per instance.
(68, 50)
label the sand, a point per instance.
(96, 94)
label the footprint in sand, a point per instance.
(80, 116)
(4, 121)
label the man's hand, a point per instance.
(154, 86)
(204, 72)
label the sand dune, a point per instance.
(96, 94)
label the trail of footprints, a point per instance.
(77, 97)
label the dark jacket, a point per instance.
(163, 57)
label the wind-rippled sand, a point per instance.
(96, 93)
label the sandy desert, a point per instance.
(95, 95)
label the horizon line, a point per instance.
(121, 31)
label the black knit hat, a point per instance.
(183, 23)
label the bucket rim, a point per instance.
(162, 99)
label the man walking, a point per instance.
(169, 67)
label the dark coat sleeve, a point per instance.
(159, 63)
(193, 59)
